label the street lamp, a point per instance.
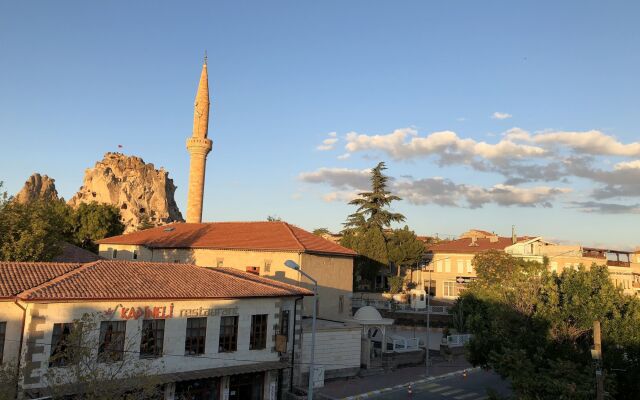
(293, 265)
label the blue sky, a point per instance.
(77, 79)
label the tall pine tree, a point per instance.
(364, 229)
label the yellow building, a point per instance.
(257, 247)
(450, 263)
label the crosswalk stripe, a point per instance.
(439, 389)
(450, 392)
(428, 385)
(464, 396)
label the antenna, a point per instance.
(205, 57)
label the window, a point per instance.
(460, 266)
(258, 340)
(112, 335)
(60, 349)
(469, 267)
(447, 265)
(196, 336)
(341, 304)
(284, 323)
(228, 334)
(439, 266)
(449, 289)
(3, 333)
(151, 338)
(267, 265)
(114, 253)
(220, 262)
(134, 255)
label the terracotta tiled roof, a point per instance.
(16, 277)
(464, 245)
(75, 254)
(263, 235)
(116, 280)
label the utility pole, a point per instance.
(596, 354)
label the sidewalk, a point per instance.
(353, 386)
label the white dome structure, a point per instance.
(368, 315)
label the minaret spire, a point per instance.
(199, 147)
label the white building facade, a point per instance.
(231, 336)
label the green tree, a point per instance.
(273, 218)
(94, 221)
(364, 230)
(373, 205)
(405, 250)
(321, 231)
(535, 328)
(144, 223)
(30, 232)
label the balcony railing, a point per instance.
(612, 263)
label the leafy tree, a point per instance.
(84, 377)
(144, 223)
(30, 232)
(535, 328)
(405, 250)
(273, 218)
(34, 231)
(94, 221)
(321, 231)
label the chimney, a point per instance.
(473, 241)
(514, 238)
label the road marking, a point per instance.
(440, 389)
(464, 396)
(450, 392)
(427, 386)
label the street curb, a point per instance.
(404, 385)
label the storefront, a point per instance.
(247, 386)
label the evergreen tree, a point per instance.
(372, 205)
(364, 230)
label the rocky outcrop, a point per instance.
(141, 192)
(37, 187)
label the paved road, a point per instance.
(473, 387)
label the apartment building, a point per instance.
(450, 263)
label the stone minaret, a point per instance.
(199, 146)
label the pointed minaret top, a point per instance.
(201, 107)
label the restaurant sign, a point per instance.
(165, 312)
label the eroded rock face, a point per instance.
(139, 190)
(37, 187)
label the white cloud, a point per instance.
(344, 196)
(500, 115)
(344, 156)
(329, 143)
(590, 142)
(404, 144)
(635, 164)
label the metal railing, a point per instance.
(388, 305)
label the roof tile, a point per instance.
(261, 235)
(16, 277)
(114, 279)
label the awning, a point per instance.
(222, 371)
